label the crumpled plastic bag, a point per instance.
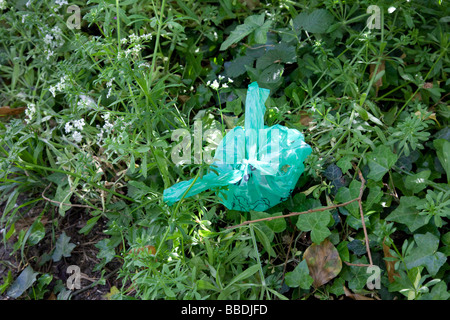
(258, 165)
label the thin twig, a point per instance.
(292, 214)
(65, 204)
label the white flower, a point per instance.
(52, 89)
(208, 83)
(79, 124)
(30, 111)
(68, 127)
(61, 2)
(28, 3)
(392, 9)
(77, 136)
(224, 85)
(2, 4)
(221, 77)
(230, 80)
(215, 85)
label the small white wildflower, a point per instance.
(61, 2)
(392, 9)
(133, 38)
(106, 116)
(224, 85)
(109, 93)
(68, 127)
(208, 83)
(28, 3)
(30, 111)
(23, 18)
(221, 77)
(2, 4)
(79, 124)
(77, 136)
(108, 126)
(52, 89)
(109, 83)
(215, 85)
(230, 80)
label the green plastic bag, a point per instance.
(258, 165)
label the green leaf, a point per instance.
(7, 280)
(89, 224)
(418, 181)
(380, 161)
(299, 277)
(426, 254)
(276, 225)
(63, 248)
(251, 24)
(236, 67)
(262, 237)
(345, 194)
(375, 194)
(407, 214)
(282, 53)
(355, 275)
(37, 232)
(25, 280)
(443, 152)
(317, 21)
(316, 222)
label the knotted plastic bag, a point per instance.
(258, 165)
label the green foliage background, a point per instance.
(370, 100)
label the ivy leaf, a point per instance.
(345, 194)
(355, 275)
(63, 247)
(374, 196)
(332, 172)
(316, 222)
(299, 277)
(426, 254)
(380, 161)
(417, 182)
(407, 214)
(236, 67)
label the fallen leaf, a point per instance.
(112, 292)
(305, 119)
(148, 249)
(390, 265)
(7, 111)
(355, 296)
(323, 262)
(379, 82)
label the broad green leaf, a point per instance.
(345, 194)
(374, 196)
(426, 254)
(236, 67)
(280, 54)
(25, 280)
(380, 161)
(299, 277)
(356, 276)
(251, 24)
(62, 248)
(316, 222)
(443, 152)
(418, 181)
(37, 233)
(407, 214)
(317, 21)
(276, 225)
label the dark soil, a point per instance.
(84, 255)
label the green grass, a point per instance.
(95, 142)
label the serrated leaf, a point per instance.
(317, 21)
(323, 262)
(62, 248)
(299, 277)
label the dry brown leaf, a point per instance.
(379, 82)
(148, 249)
(355, 296)
(390, 265)
(305, 119)
(7, 111)
(323, 262)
